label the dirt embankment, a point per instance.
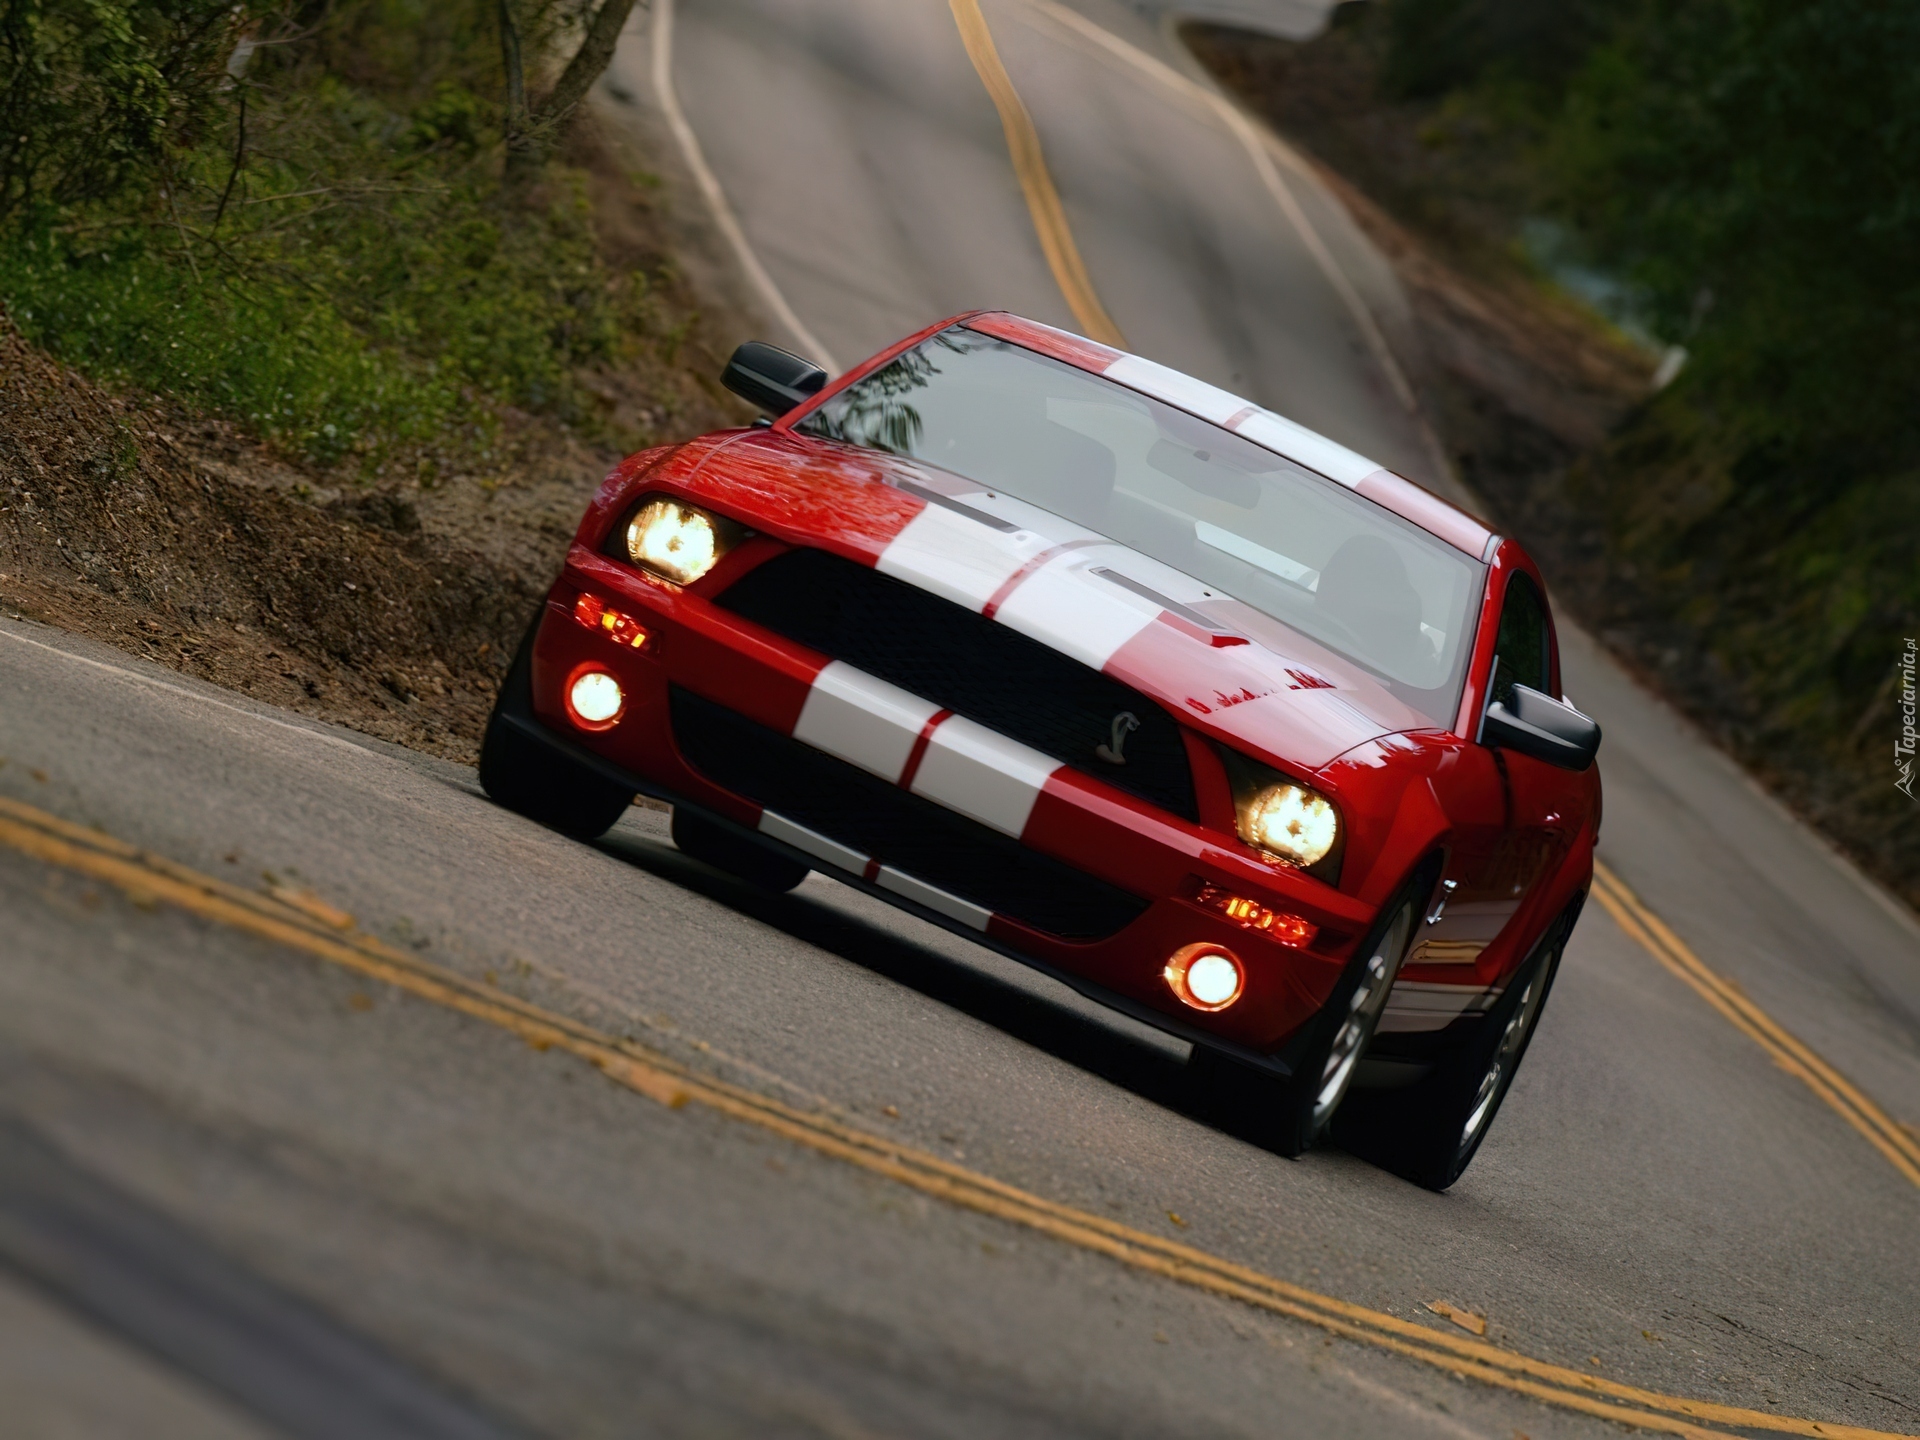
(128, 523)
(391, 606)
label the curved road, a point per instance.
(275, 1188)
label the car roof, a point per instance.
(1273, 432)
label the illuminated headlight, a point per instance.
(1289, 821)
(1292, 822)
(675, 541)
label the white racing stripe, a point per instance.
(956, 558)
(832, 852)
(1316, 452)
(1263, 427)
(1196, 397)
(1060, 604)
(810, 842)
(862, 720)
(966, 767)
(934, 898)
(983, 775)
(1416, 1005)
(1063, 606)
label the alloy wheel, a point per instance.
(1363, 1015)
(1505, 1055)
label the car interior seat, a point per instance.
(1365, 592)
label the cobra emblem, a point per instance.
(1114, 752)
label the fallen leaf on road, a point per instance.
(1465, 1319)
(1176, 1220)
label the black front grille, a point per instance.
(970, 665)
(864, 812)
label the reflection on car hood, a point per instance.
(1224, 667)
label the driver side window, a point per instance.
(1521, 649)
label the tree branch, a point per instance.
(239, 154)
(603, 34)
(516, 73)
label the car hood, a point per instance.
(1227, 669)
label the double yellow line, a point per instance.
(1882, 1131)
(1036, 182)
(1900, 1146)
(316, 929)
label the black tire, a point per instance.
(1428, 1132)
(537, 781)
(1290, 1116)
(744, 859)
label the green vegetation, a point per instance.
(300, 217)
(1750, 169)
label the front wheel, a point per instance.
(1429, 1132)
(1321, 1086)
(1291, 1115)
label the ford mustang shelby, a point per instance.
(1201, 713)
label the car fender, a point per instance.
(1419, 828)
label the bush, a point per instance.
(1750, 170)
(319, 244)
(269, 353)
(1754, 166)
(94, 94)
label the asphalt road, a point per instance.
(244, 1191)
(869, 173)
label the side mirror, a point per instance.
(774, 379)
(1540, 726)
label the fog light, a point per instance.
(595, 700)
(1207, 977)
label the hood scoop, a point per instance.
(1216, 634)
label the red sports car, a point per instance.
(1143, 685)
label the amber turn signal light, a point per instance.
(1252, 915)
(594, 613)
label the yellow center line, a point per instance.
(1030, 165)
(1895, 1141)
(1883, 1132)
(315, 931)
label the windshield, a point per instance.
(1299, 548)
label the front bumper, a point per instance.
(1089, 834)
